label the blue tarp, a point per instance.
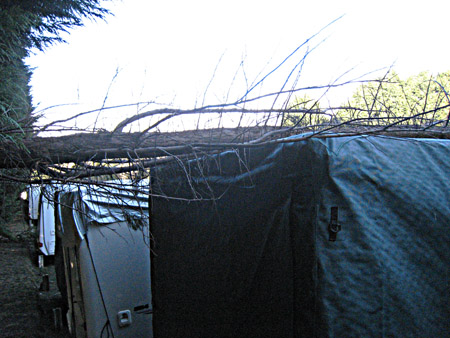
(242, 241)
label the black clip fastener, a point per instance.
(334, 227)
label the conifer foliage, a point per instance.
(26, 25)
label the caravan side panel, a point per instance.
(46, 226)
(115, 275)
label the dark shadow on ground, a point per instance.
(24, 311)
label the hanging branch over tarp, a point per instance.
(47, 152)
(95, 153)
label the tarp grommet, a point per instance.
(333, 227)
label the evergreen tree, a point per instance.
(37, 23)
(24, 25)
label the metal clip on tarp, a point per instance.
(334, 227)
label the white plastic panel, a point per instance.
(46, 227)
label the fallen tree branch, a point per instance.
(44, 152)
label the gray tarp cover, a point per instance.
(245, 250)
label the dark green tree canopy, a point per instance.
(37, 23)
(24, 25)
(28, 24)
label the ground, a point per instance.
(24, 310)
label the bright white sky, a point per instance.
(168, 51)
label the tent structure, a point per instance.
(330, 237)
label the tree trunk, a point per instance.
(76, 148)
(94, 147)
